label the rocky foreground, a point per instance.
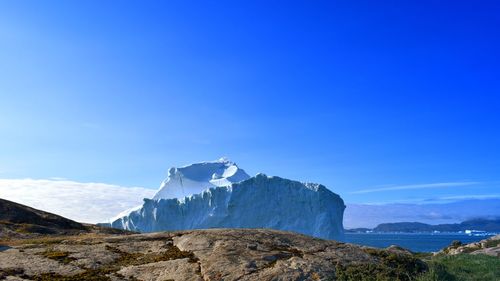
(217, 254)
(489, 247)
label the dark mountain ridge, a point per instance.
(488, 225)
(20, 221)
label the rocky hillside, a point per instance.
(18, 221)
(216, 254)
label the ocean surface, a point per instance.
(415, 242)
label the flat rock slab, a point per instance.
(181, 269)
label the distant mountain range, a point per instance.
(371, 215)
(488, 225)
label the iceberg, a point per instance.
(221, 195)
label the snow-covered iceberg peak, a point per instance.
(195, 178)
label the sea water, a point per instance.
(416, 242)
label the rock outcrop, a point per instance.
(490, 247)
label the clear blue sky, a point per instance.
(353, 94)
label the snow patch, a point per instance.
(195, 178)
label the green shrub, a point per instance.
(456, 244)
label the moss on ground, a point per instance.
(89, 275)
(130, 259)
(283, 254)
(4, 272)
(104, 272)
(390, 266)
(492, 243)
(60, 256)
(38, 241)
(124, 259)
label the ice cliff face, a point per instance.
(234, 200)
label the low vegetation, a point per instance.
(128, 259)
(463, 267)
(492, 243)
(423, 267)
(60, 256)
(5, 272)
(391, 266)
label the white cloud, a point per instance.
(83, 202)
(475, 196)
(415, 186)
